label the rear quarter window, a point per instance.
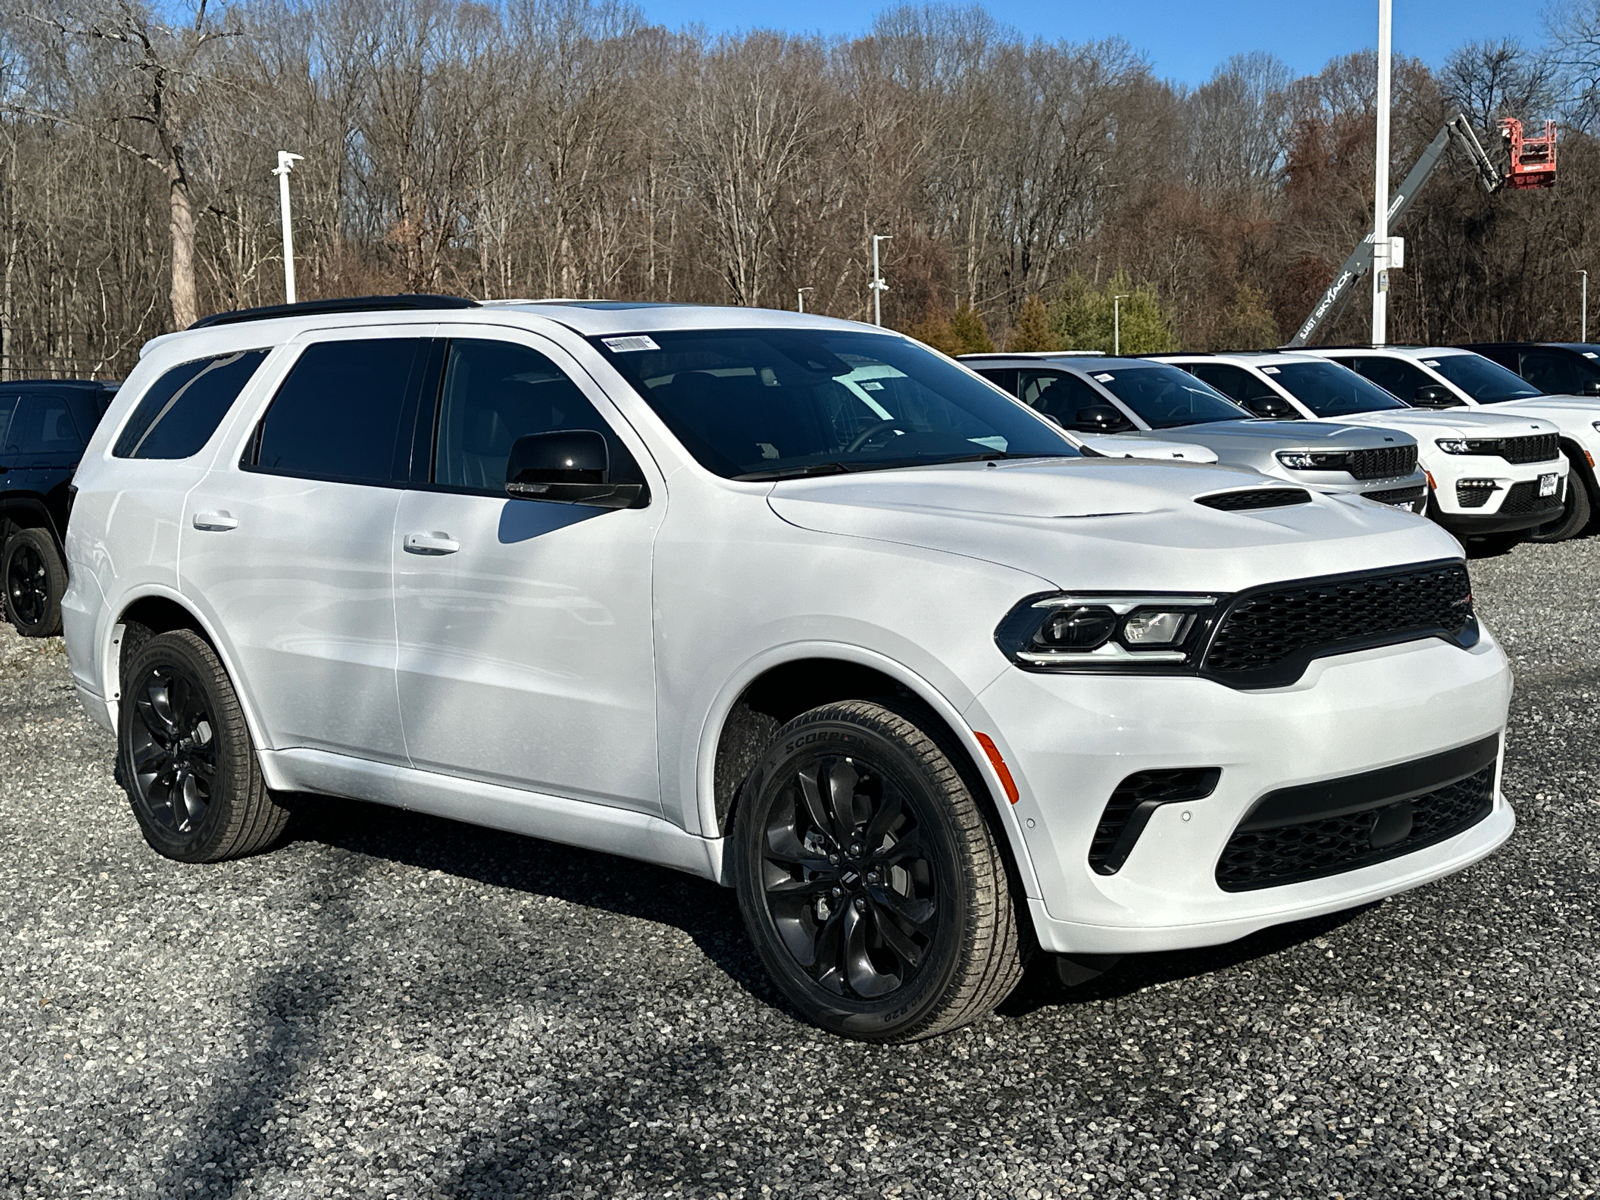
(182, 409)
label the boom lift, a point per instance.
(1533, 164)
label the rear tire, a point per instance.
(869, 880)
(32, 581)
(1575, 513)
(185, 756)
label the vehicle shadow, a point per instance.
(1135, 972)
(708, 913)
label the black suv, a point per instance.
(1555, 368)
(44, 426)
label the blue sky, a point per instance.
(1184, 39)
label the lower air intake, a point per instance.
(1131, 805)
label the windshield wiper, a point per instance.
(824, 468)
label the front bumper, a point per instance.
(1502, 507)
(1070, 740)
(1409, 492)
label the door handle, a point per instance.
(216, 522)
(432, 542)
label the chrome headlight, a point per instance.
(1101, 631)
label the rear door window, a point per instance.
(1557, 372)
(1391, 374)
(496, 392)
(346, 412)
(1058, 394)
(183, 408)
(42, 429)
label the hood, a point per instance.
(1112, 523)
(1265, 436)
(1564, 410)
(1426, 423)
(1114, 445)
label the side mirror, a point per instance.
(1591, 388)
(1100, 418)
(1435, 395)
(568, 466)
(1269, 405)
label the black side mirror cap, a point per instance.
(1270, 406)
(1591, 388)
(1100, 418)
(568, 466)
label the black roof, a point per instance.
(1577, 347)
(56, 385)
(341, 304)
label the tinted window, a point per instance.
(1058, 394)
(1164, 397)
(1391, 374)
(759, 403)
(8, 405)
(183, 408)
(1330, 390)
(345, 412)
(1485, 381)
(496, 392)
(1233, 382)
(42, 424)
(1559, 372)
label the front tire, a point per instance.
(1575, 513)
(187, 761)
(869, 880)
(33, 579)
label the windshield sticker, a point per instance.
(1588, 354)
(1269, 370)
(1105, 378)
(871, 385)
(1430, 362)
(623, 345)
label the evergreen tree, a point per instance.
(971, 332)
(1084, 317)
(936, 330)
(1032, 329)
(1248, 324)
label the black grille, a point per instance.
(1524, 498)
(1408, 495)
(1266, 637)
(1384, 463)
(1136, 797)
(1474, 495)
(1538, 447)
(1327, 845)
(1255, 498)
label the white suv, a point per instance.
(787, 602)
(1488, 472)
(1445, 377)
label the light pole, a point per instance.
(1583, 309)
(800, 298)
(1116, 323)
(286, 163)
(1380, 198)
(879, 287)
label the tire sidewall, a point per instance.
(49, 624)
(902, 1011)
(1575, 514)
(183, 656)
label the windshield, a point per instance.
(768, 403)
(1330, 390)
(1486, 382)
(1165, 397)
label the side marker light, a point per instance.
(999, 765)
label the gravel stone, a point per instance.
(397, 1006)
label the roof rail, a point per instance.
(341, 304)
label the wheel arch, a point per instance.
(28, 512)
(1581, 466)
(784, 683)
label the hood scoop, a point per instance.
(1254, 498)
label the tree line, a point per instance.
(569, 148)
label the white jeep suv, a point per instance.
(787, 602)
(1488, 472)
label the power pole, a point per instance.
(879, 287)
(1583, 309)
(800, 298)
(286, 163)
(1116, 323)
(1380, 199)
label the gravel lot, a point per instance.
(397, 1006)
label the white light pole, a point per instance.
(1583, 309)
(800, 298)
(1116, 323)
(878, 286)
(1380, 199)
(286, 163)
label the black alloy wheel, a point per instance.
(869, 879)
(186, 758)
(34, 579)
(847, 878)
